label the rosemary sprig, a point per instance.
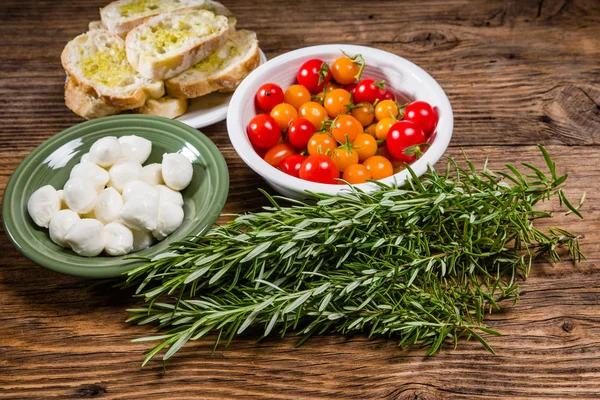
(422, 263)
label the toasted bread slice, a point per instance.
(170, 43)
(123, 15)
(166, 106)
(223, 70)
(96, 59)
(95, 25)
(84, 102)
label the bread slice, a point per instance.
(97, 60)
(223, 70)
(95, 25)
(123, 15)
(170, 43)
(166, 106)
(84, 102)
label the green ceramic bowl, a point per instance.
(52, 161)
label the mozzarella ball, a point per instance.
(61, 196)
(91, 215)
(166, 195)
(105, 152)
(108, 205)
(118, 239)
(85, 158)
(122, 172)
(80, 195)
(96, 175)
(177, 171)
(60, 225)
(141, 240)
(86, 237)
(135, 148)
(43, 204)
(152, 174)
(136, 189)
(170, 217)
(140, 213)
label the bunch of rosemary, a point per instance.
(421, 263)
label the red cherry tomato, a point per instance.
(268, 96)
(313, 75)
(291, 165)
(350, 88)
(389, 96)
(368, 91)
(421, 114)
(402, 135)
(263, 131)
(276, 154)
(319, 168)
(299, 132)
(259, 151)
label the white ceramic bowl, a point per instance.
(408, 82)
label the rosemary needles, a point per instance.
(421, 264)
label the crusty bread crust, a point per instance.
(131, 96)
(93, 25)
(83, 101)
(192, 84)
(167, 106)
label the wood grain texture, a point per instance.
(517, 73)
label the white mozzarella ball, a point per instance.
(141, 240)
(135, 148)
(140, 213)
(122, 172)
(80, 195)
(167, 195)
(108, 205)
(170, 217)
(43, 204)
(91, 215)
(105, 151)
(86, 237)
(61, 196)
(118, 239)
(152, 174)
(135, 189)
(177, 171)
(85, 158)
(60, 225)
(95, 174)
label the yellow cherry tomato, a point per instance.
(314, 112)
(329, 86)
(344, 70)
(346, 128)
(383, 127)
(365, 145)
(321, 143)
(343, 158)
(364, 113)
(386, 109)
(335, 102)
(379, 166)
(356, 174)
(283, 114)
(372, 130)
(296, 95)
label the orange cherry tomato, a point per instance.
(398, 165)
(329, 86)
(365, 145)
(383, 127)
(372, 130)
(346, 128)
(314, 112)
(296, 95)
(344, 70)
(284, 114)
(379, 166)
(386, 109)
(276, 154)
(356, 174)
(321, 143)
(335, 102)
(364, 114)
(343, 158)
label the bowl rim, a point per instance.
(238, 137)
(120, 264)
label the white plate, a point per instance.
(210, 109)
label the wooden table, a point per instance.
(517, 73)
